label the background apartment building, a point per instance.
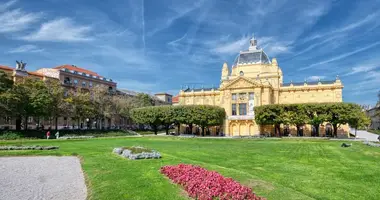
(74, 78)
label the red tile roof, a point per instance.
(6, 68)
(175, 99)
(36, 74)
(78, 69)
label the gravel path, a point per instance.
(366, 135)
(41, 178)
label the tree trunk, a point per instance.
(167, 129)
(203, 131)
(56, 123)
(18, 123)
(155, 129)
(356, 128)
(179, 126)
(277, 130)
(298, 130)
(317, 130)
(78, 124)
(335, 126)
(26, 123)
(191, 128)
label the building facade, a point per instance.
(255, 80)
(375, 118)
(72, 78)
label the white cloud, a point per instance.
(63, 29)
(362, 68)
(315, 78)
(341, 56)
(349, 27)
(17, 20)
(6, 5)
(233, 47)
(135, 85)
(26, 49)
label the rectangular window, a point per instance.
(90, 84)
(30, 119)
(234, 109)
(75, 82)
(242, 109)
(84, 84)
(233, 96)
(251, 96)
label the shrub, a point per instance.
(28, 147)
(134, 153)
(10, 136)
(202, 184)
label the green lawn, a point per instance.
(276, 169)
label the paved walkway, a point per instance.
(41, 178)
(366, 135)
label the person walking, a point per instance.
(57, 135)
(48, 134)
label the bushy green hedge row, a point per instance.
(202, 115)
(311, 113)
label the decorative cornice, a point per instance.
(306, 88)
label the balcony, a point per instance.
(241, 117)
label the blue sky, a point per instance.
(157, 46)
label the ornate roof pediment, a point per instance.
(241, 82)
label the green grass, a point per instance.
(277, 169)
(374, 131)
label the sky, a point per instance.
(158, 46)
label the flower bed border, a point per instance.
(201, 184)
(6, 148)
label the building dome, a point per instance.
(252, 56)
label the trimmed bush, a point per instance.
(135, 153)
(202, 184)
(28, 147)
(10, 136)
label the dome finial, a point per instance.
(253, 43)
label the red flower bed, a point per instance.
(202, 184)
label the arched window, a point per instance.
(241, 73)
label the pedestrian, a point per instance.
(47, 134)
(57, 135)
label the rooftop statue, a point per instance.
(20, 65)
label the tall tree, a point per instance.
(6, 82)
(339, 113)
(59, 105)
(143, 100)
(27, 98)
(5, 86)
(122, 107)
(358, 119)
(298, 116)
(102, 99)
(148, 115)
(83, 107)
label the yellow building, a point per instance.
(255, 80)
